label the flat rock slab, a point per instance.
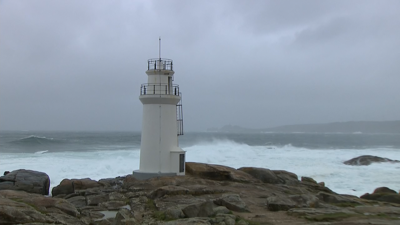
(378, 210)
(232, 202)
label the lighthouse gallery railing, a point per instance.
(160, 64)
(159, 89)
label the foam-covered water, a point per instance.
(106, 155)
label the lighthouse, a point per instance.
(160, 154)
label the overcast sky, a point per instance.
(78, 65)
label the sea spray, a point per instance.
(108, 154)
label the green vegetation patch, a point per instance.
(159, 215)
(150, 205)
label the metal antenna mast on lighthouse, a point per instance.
(159, 48)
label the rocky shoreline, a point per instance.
(208, 194)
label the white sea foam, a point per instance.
(322, 165)
(41, 152)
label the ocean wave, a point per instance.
(36, 140)
(41, 152)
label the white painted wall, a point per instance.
(159, 152)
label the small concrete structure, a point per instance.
(160, 154)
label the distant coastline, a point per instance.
(391, 127)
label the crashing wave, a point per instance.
(33, 140)
(41, 152)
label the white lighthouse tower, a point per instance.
(160, 154)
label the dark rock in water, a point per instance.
(6, 172)
(26, 180)
(366, 160)
(265, 175)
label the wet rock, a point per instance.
(26, 180)
(262, 174)
(232, 202)
(365, 160)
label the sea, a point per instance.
(98, 155)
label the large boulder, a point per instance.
(26, 180)
(384, 190)
(19, 207)
(383, 194)
(232, 202)
(262, 174)
(366, 160)
(68, 186)
(203, 209)
(218, 172)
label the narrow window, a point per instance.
(181, 163)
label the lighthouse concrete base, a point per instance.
(144, 176)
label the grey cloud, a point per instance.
(79, 65)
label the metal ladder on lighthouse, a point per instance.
(179, 117)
